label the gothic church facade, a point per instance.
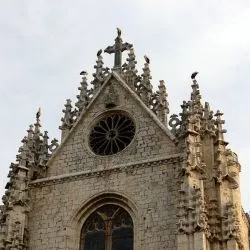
(126, 175)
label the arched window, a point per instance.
(110, 227)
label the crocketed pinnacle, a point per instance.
(196, 106)
(100, 72)
(145, 86)
(131, 65)
(83, 97)
(67, 119)
(34, 152)
(99, 68)
(146, 77)
(163, 107)
(219, 130)
(207, 119)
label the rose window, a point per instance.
(112, 134)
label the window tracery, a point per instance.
(108, 228)
(112, 134)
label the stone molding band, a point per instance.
(100, 172)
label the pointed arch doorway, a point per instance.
(110, 227)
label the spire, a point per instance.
(196, 106)
(44, 153)
(192, 117)
(67, 119)
(131, 65)
(83, 97)
(24, 152)
(163, 109)
(130, 71)
(70, 117)
(117, 49)
(207, 120)
(220, 130)
(145, 87)
(100, 73)
(99, 67)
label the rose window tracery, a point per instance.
(112, 134)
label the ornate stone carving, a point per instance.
(70, 116)
(112, 97)
(83, 97)
(117, 49)
(145, 88)
(214, 220)
(231, 224)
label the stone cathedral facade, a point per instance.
(126, 175)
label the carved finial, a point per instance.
(30, 131)
(159, 103)
(83, 98)
(195, 95)
(145, 86)
(99, 73)
(67, 119)
(146, 70)
(163, 96)
(131, 66)
(195, 104)
(208, 122)
(219, 122)
(130, 71)
(44, 154)
(23, 151)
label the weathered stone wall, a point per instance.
(152, 188)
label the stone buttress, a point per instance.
(210, 212)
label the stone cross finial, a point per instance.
(117, 49)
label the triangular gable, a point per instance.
(132, 94)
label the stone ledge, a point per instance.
(100, 172)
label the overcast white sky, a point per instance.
(45, 44)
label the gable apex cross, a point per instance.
(117, 49)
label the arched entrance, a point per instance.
(109, 227)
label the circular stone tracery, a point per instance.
(112, 134)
